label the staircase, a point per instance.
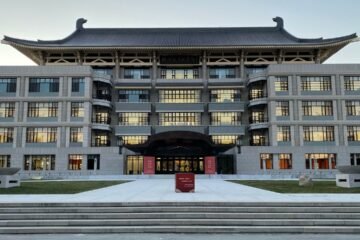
(175, 217)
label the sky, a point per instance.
(51, 20)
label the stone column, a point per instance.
(117, 65)
(242, 65)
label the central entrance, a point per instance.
(175, 164)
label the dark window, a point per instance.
(137, 73)
(134, 96)
(44, 85)
(7, 85)
(78, 85)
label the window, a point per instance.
(352, 108)
(134, 164)
(75, 161)
(101, 116)
(179, 119)
(7, 109)
(258, 117)
(101, 140)
(266, 161)
(39, 162)
(93, 162)
(222, 73)
(282, 108)
(352, 83)
(41, 135)
(283, 134)
(281, 84)
(355, 159)
(44, 85)
(285, 161)
(256, 93)
(318, 134)
(133, 140)
(5, 161)
(77, 109)
(179, 96)
(40, 109)
(134, 95)
(225, 118)
(137, 73)
(225, 95)
(179, 73)
(320, 161)
(353, 133)
(317, 108)
(6, 135)
(7, 85)
(224, 139)
(321, 83)
(78, 85)
(76, 135)
(133, 119)
(258, 139)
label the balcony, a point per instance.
(179, 107)
(132, 130)
(258, 122)
(132, 107)
(102, 100)
(258, 98)
(227, 106)
(101, 77)
(256, 77)
(101, 143)
(101, 123)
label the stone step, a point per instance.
(180, 229)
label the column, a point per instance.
(242, 65)
(117, 65)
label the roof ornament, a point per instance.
(279, 21)
(79, 23)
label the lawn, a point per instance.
(58, 187)
(293, 186)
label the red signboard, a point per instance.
(149, 165)
(184, 182)
(210, 165)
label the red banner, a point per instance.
(149, 165)
(184, 182)
(210, 165)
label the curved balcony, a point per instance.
(102, 100)
(101, 123)
(257, 77)
(258, 125)
(104, 78)
(258, 99)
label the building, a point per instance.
(257, 99)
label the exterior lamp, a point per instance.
(238, 144)
(121, 144)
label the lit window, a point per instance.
(224, 139)
(285, 161)
(134, 140)
(318, 134)
(41, 135)
(76, 135)
(281, 84)
(40, 109)
(352, 83)
(353, 133)
(320, 161)
(6, 135)
(179, 119)
(5, 161)
(321, 83)
(225, 118)
(134, 164)
(39, 162)
(266, 161)
(7, 109)
(353, 108)
(282, 108)
(133, 119)
(283, 134)
(179, 96)
(77, 109)
(225, 95)
(75, 161)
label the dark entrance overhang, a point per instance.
(179, 143)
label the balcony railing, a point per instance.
(101, 120)
(259, 119)
(257, 95)
(260, 142)
(106, 97)
(101, 143)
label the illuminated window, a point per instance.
(225, 118)
(317, 108)
(101, 140)
(266, 161)
(179, 73)
(40, 109)
(258, 138)
(353, 133)
(133, 140)
(320, 161)
(133, 119)
(318, 133)
(353, 108)
(134, 164)
(322, 83)
(101, 116)
(224, 139)
(75, 162)
(281, 84)
(179, 119)
(5, 161)
(225, 95)
(39, 162)
(41, 135)
(77, 109)
(256, 93)
(7, 109)
(222, 73)
(283, 134)
(352, 83)
(282, 108)
(258, 117)
(76, 135)
(179, 96)
(6, 135)
(285, 161)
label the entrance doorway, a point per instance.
(170, 165)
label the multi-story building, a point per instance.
(257, 99)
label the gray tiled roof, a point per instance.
(179, 37)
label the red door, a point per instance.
(210, 165)
(149, 165)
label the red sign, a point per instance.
(149, 165)
(210, 165)
(184, 182)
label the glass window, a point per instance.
(224, 139)
(317, 108)
(320, 83)
(41, 135)
(39, 162)
(222, 73)
(101, 116)
(352, 83)
(256, 93)
(5, 161)
(93, 162)
(75, 161)
(353, 108)
(76, 135)
(134, 96)
(179, 119)
(179, 73)
(258, 116)
(225, 95)
(283, 134)
(320, 161)
(318, 133)
(355, 159)
(258, 138)
(78, 85)
(137, 73)
(42, 109)
(7, 109)
(44, 85)
(353, 133)
(266, 161)
(134, 164)
(281, 84)
(225, 118)
(6, 135)
(282, 108)
(133, 119)
(285, 161)
(77, 109)
(179, 96)
(133, 140)
(101, 140)
(7, 85)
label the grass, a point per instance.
(58, 187)
(293, 186)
